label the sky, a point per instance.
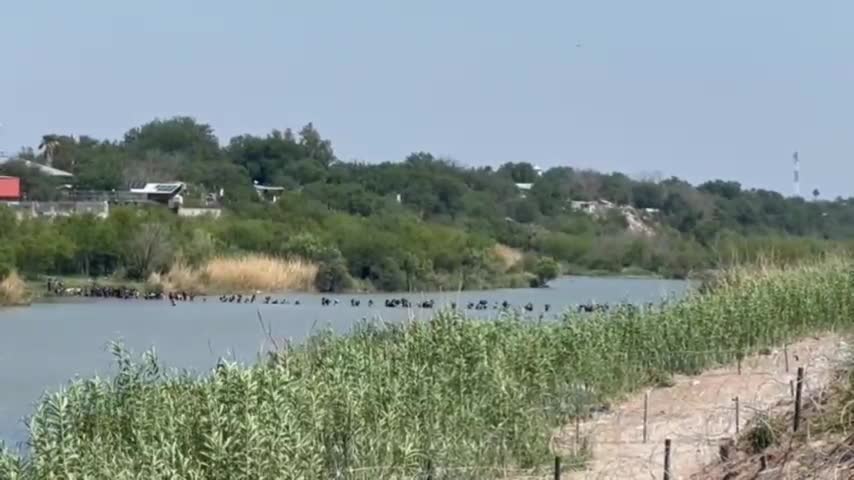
(700, 90)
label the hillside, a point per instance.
(423, 222)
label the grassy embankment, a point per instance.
(457, 392)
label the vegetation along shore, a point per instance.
(424, 223)
(382, 401)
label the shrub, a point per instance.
(13, 290)
(546, 269)
(387, 275)
(333, 276)
(309, 247)
(761, 434)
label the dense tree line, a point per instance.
(418, 223)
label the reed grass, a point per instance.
(509, 256)
(457, 392)
(180, 278)
(247, 273)
(259, 272)
(13, 291)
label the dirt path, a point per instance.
(696, 413)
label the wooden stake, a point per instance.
(798, 396)
(667, 474)
(786, 355)
(645, 416)
(736, 414)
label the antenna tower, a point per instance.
(797, 174)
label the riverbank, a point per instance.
(251, 274)
(457, 392)
(697, 412)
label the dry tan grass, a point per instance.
(182, 277)
(509, 256)
(179, 278)
(13, 291)
(259, 272)
(247, 273)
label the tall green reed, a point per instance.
(454, 391)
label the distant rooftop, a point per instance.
(267, 188)
(170, 188)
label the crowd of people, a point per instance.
(57, 288)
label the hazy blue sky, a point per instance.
(714, 89)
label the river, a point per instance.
(44, 346)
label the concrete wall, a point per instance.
(199, 212)
(59, 209)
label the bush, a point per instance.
(333, 277)
(7, 261)
(13, 291)
(761, 434)
(5, 270)
(388, 276)
(546, 269)
(309, 247)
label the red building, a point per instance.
(10, 188)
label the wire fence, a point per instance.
(679, 430)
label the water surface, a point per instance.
(44, 346)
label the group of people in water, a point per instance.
(401, 302)
(58, 288)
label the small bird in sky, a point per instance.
(578, 45)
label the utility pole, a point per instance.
(797, 174)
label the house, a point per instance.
(162, 193)
(524, 188)
(10, 189)
(268, 193)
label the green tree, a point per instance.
(522, 172)
(546, 270)
(150, 250)
(174, 135)
(49, 146)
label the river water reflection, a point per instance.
(44, 346)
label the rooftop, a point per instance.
(170, 188)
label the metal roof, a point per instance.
(164, 188)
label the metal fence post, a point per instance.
(667, 474)
(798, 396)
